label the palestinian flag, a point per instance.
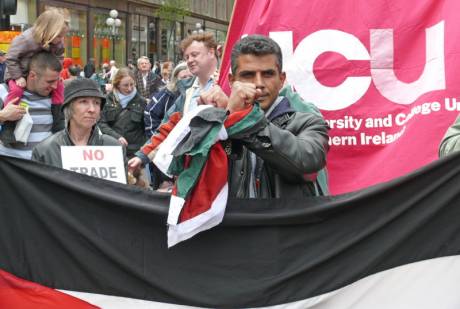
(193, 153)
(395, 245)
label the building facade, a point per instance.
(141, 31)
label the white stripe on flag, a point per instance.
(423, 285)
(175, 207)
(116, 302)
(163, 156)
(204, 221)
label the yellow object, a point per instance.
(24, 104)
(5, 39)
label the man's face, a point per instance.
(43, 83)
(2, 58)
(86, 112)
(264, 73)
(144, 65)
(199, 58)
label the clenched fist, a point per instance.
(243, 94)
(214, 96)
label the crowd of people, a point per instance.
(281, 153)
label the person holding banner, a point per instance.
(281, 156)
(282, 147)
(200, 55)
(83, 102)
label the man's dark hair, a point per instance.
(44, 60)
(257, 45)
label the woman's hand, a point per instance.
(123, 141)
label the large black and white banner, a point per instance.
(395, 245)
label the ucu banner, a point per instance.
(384, 73)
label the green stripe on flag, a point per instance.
(247, 122)
(203, 147)
(188, 178)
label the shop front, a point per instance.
(90, 36)
(135, 31)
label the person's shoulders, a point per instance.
(297, 102)
(50, 143)
(285, 116)
(289, 106)
(25, 35)
(162, 93)
(29, 31)
(300, 121)
(25, 41)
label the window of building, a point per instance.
(170, 36)
(221, 9)
(152, 35)
(211, 8)
(139, 36)
(109, 43)
(135, 34)
(25, 15)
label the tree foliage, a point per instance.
(173, 10)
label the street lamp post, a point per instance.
(198, 28)
(113, 23)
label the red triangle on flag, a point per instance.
(22, 294)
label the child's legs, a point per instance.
(14, 92)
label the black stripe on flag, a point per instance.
(74, 232)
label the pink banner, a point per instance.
(384, 73)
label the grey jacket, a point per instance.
(290, 148)
(49, 150)
(21, 51)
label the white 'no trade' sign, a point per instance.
(104, 162)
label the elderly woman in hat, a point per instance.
(83, 102)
